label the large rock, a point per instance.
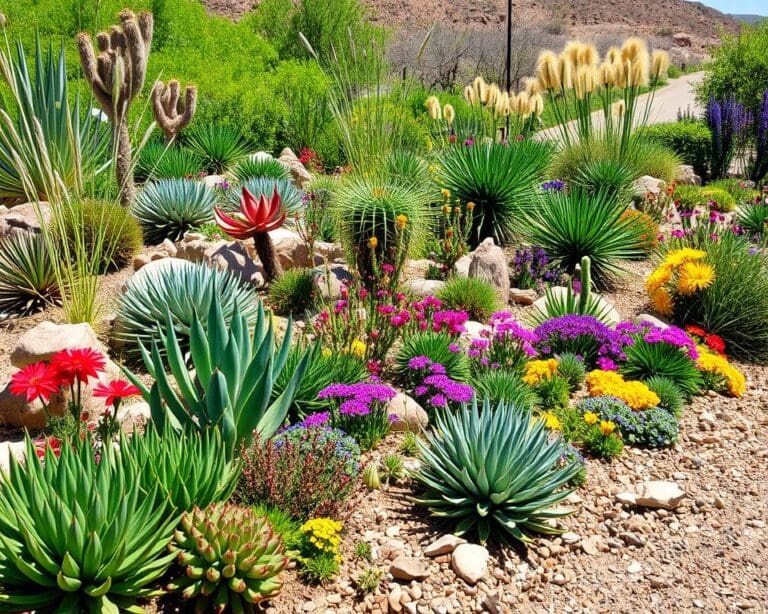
(328, 252)
(686, 175)
(47, 338)
(410, 415)
(24, 217)
(645, 317)
(461, 268)
(681, 39)
(424, 287)
(232, 256)
(291, 249)
(647, 185)
(612, 316)
(301, 176)
(489, 262)
(7, 450)
(329, 282)
(216, 182)
(523, 297)
(470, 562)
(654, 494)
(408, 568)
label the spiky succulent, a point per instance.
(218, 146)
(231, 557)
(290, 195)
(495, 471)
(27, 275)
(168, 208)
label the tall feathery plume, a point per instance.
(449, 113)
(433, 108)
(502, 104)
(492, 94)
(619, 108)
(613, 55)
(632, 48)
(622, 73)
(572, 51)
(547, 70)
(639, 70)
(606, 74)
(588, 56)
(532, 86)
(565, 72)
(659, 64)
(536, 104)
(514, 104)
(469, 95)
(523, 104)
(481, 89)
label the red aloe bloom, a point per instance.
(35, 381)
(78, 364)
(116, 390)
(255, 217)
(715, 343)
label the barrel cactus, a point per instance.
(231, 558)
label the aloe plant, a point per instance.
(80, 534)
(234, 374)
(495, 471)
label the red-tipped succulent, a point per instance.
(256, 219)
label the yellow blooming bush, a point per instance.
(536, 371)
(551, 421)
(324, 535)
(682, 274)
(723, 374)
(609, 383)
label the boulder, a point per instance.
(232, 256)
(686, 175)
(523, 297)
(47, 338)
(647, 185)
(489, 262)
(291, 249)
(424, 287)
(461, 268)
(470, 562)
(473, 330)
(410, 415)
(301, 176)
(408, 568)
(681, 39)
(644, 317)
(612, 315)
(329, 282)
(328, 252)
(134, 415)
(24, 217)
(216, 181)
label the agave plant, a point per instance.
(260, 168)
(218, 147)
(28, 281)
(80, 533)
(753, 219)
(234, 374)
(290, 196)
(257, 218)
(159, 161)
(569, 226)
(189, 466)
(495, 471)
(168, 208)
(184, 289)
(501, 180)
(231, 558)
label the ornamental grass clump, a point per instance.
(502, 386)
(471, 295)
(438, 348)
(495, 472)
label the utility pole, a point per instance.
(509, 55)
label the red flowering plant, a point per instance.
(701, 336)
(311, 161)
(113, 394)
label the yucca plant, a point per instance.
(260, 168)
(160, 161)
(753, 219)
(231, 559)
(168, 208)
(501, 180)
(80, 533)
(234, 373)
(219, 147)
(610, 176)
(569, 226)
(190, 467)
(494, 471)
(439, 348)
(645, 360)
(28, 281)
(184, 290)
(290, 195)
(406, 167)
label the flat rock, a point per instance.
(647, 185)
(654, 494)
(522, 297)
(444, 545)
(408, 568)
(470, 562)
(291, 250)
(410, 415)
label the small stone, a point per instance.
(333, 598)
(407, 568)
(634, 567)
(698, 603)
(654, 494)
(392, 531)
(470, 562)
(522, 297)
(559, 579)
(657, 582)
(443, 545)
(570, 538)
(309, 606)
(394, 598)
(590, 545)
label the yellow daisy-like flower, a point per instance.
(607, 427)
(657, 279)
(734, 379)
(327, 353)
(695, 276)
(401, 221)
(662, 303)
(373, 242)
(551, 421)
(680, 256)
(357, 348)
(590, 417)
(470, 206)
(539, 370)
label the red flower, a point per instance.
(255, 216)
(78, 364)
(715, 343)
(698, 331)
(116, 390)
(47, 442)
(35, 381)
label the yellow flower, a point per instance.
(734, 380)
(662, 303)
(590, 417)
(470, 206)
(657, 279)
(327, 353)
(401, 221)
(680, 256)
(357, 348)
(609, 383)
(607, 427)
(539, 370)
(445, 192)
(373, 242)
(695, 276)
(551, 421)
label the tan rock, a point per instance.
(410, 415)
(408, 568)
(489, 262)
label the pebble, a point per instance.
(634, 567)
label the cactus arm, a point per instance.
(586, 285)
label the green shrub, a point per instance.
(111, 234)
(612, 177)
(219, 147)
(322, 370)
(570, 226)
(28, 281)
(256, 168)
(475, 296)
(439, 348)
(718, 198)
(571, 368)
(293, 292)
(168, 208)
(736, 188)
(232, 535)
(494, 472)
(691, 140)
(156, 161)
(734, 306)
(552, 393)
(80, 532)
(184, 289)
(668, 392)
(472, 174)
(500, 386)
(645, 360)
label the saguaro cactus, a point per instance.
(171, 112)
(116, 76)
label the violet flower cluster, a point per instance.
(437, 388)
(531, 268)
(671, 335)
(585, 336)
(358, 399)
(504, 343)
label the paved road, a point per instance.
(677, 95)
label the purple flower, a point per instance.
(353, 407)
(555, 185)
(316, 419)
(454, 348)
(393, 418)
(419, 362)
(438, 400)
(436, 367)
(606, 364)
(582, 334)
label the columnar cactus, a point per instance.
(116, 76)
(231, 558)
(171, 112)
(586, 284)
